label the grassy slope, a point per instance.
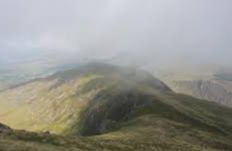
(132, 109)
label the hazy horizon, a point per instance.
(164, 33)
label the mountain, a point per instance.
(215, 87)
(105, 107)
(55, 102)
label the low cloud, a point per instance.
(164, 32)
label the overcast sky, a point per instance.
(154, 31)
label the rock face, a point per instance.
(219, 91)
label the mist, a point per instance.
(164, 33)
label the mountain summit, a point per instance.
(119, 108)
(55, 103)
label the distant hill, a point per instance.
(216, 87)
(118, 108)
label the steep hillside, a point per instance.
(115, 108)
(216, 90)
(55, 103)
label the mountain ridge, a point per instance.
(114, 108)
